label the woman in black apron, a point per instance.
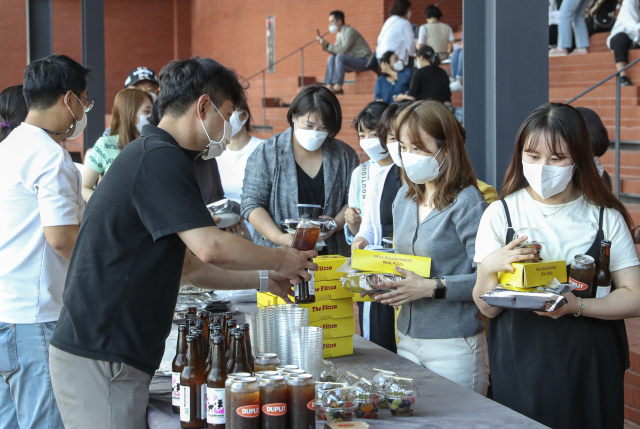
(560, 370)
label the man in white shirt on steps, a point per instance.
(41, 207)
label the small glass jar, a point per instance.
(274, 408)
(289, 372)
(283, 367)
(261, 374)
(266, 362)
(301, 389)
(243, 402)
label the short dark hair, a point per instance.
(387, 122)
(386, 58)
(369, 116)
(400, 7)
(428, 53)
(432, 11)
(597, 132)
(316, 98)
(182, 82)
(338, 15)
(46, 79)
(13, 110)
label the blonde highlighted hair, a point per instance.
(125, 109)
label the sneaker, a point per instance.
(579, 51)
(558, 52)
(455, 86)
(625, 81)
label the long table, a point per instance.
(442, 403)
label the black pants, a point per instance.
(381, 325)
(620, 44)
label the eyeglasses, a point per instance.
(88, 104)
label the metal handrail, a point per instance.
(617, 139)
(264, 70)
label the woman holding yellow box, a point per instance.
(436, 215)
(539, 361)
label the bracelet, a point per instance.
(579, 308)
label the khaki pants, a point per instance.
(97, 394)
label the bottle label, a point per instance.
(185, 403)
(275, 410)
(175, 389)
(312, 284)
(203, 402)
(578, 285)
(296, 290)
(312, 405)
(249, 411)
(215, 406)
(603, 291)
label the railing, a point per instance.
(617, 139)
(264, 84)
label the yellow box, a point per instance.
(319, 310)
(336, 328)
(327, 266)
(381, 262)
(333, 347)
(356, 298)
(331, 289)
(534, 274)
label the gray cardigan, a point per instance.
(448, 237)
(271, 182)
(351, 43)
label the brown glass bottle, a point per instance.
(215, 385)
(240, 360)
(191, 324)
(205, 318)
(603, 275)
(231, 324)
(231, 351)
(216, 320)
(214, 334)
(225, 317)
(306, 237)
(244, 328)
(192, 387)
(274, 400)
(202, 350)
(177, 366)
(192, 312)
(214, 331)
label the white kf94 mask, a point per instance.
(547, 180)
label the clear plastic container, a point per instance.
(329, 372)
(338, 405)
(401, 396)
(367, 399)
(380, 381)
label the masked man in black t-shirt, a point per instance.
(125, 271)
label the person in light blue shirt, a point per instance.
(394, 79)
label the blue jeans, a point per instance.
(337, 65)
(26, 396)
(572, 21)
(457, 59)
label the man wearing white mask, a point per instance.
(146, 227)
(233, 161)
(305, 164)
(41, 208)
(349, 53)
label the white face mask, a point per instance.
(373, 149)
(215, 148)
(394, 150)
(398, 66)
(421, 169)
(547, 180)
(309, 139)
(333, 29)
(236, 123)
(143, 120)
(80, 124)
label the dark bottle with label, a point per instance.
(177, 365)
(306, 237)
(240, 360)
(215, 385)
(192, 387)
(603, 275)
(244, 327)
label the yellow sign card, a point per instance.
(381, 262)
(534, 274)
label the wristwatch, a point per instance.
(440, 291)
(264, 281)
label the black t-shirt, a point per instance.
(310, 191)
(123, 279)
(389, 191)
(430, 83)
(208, 177)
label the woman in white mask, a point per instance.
(305, 164)
(578, 354)
(436, 215)
(233, 160)
(131, 110)
(394, 78)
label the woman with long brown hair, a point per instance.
(131, 109)
(436, 214)
(564, 368)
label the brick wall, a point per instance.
(13, 42)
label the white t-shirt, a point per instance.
(397, 36)
(231, 165)
(39, 186)
(571, 231)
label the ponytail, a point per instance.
(427, 52)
